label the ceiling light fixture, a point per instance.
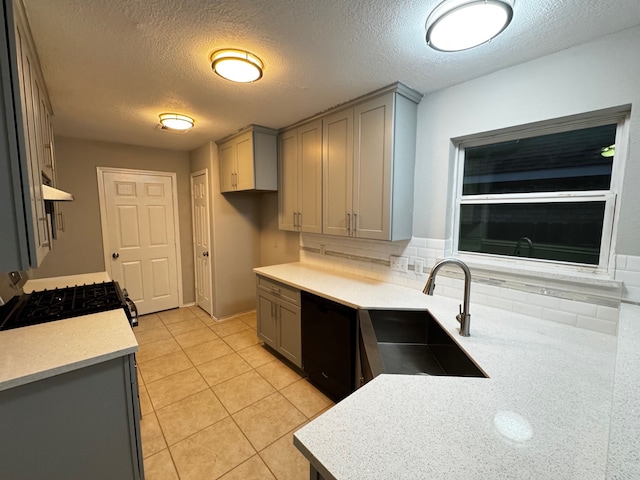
(237, 65)
(457, 25)
(176, 121)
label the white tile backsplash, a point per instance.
(628, 271)
(370, 258)
(560, 317)
(632, 264)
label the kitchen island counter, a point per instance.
(544, 412)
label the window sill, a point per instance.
(562, 283)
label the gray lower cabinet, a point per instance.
(81, 424)
(278, 312)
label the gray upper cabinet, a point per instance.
(368, 166)
(27, 144)
(337, 169)
(300, 170)
(248, 160)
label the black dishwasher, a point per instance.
(329, 345)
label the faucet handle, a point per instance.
(459, 316)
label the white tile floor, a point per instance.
(215, 403)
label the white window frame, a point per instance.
(620, 116)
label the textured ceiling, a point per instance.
(112, 66)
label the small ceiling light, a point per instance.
(237, 65)
(457, 25)
(176, 121)
(608, 152)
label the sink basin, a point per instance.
(411, 342)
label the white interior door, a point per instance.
(140, 238)
(201, 238)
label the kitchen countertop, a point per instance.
(66, 281)
(36, 352)
(544, 412)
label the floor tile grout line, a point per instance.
(258, 453)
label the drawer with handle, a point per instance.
(279, 289)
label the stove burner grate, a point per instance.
(60, 303)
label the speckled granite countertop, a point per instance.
(36, 352)
(544, 413)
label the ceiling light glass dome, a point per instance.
(176, 121)
(237, 65)
(457, 25)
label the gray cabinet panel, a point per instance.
(248, 160)
(75, 425)
(368, 158)
(289, 334)
(278, 312)
(300, 168)
(26, 146)
(267, 318)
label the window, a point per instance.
(540, 194)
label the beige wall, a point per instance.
(243, 235)
(276, 246)
(79, 248)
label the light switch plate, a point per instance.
(399, 264)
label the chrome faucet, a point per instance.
(464, 318)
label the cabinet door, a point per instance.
(30, 95)
(289, 334)
(288, 188)
(372, 159)
(337, 176)
(245, 173)
(227, 153)
(310, 177)
(46, 139)
(267, 316)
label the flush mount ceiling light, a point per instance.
(176, 121)
(457, 25)
(237, 65)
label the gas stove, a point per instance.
(60, 303)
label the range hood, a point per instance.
(50, 193)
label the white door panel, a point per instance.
(201, 240)
(141, 238)
(131, 275)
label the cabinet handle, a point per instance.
(49, 146)
(61, 221)
(349, 222)
(47, 236)
(355, 223)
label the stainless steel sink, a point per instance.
(410, 342)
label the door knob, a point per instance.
(205, 254)
(115, 255)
